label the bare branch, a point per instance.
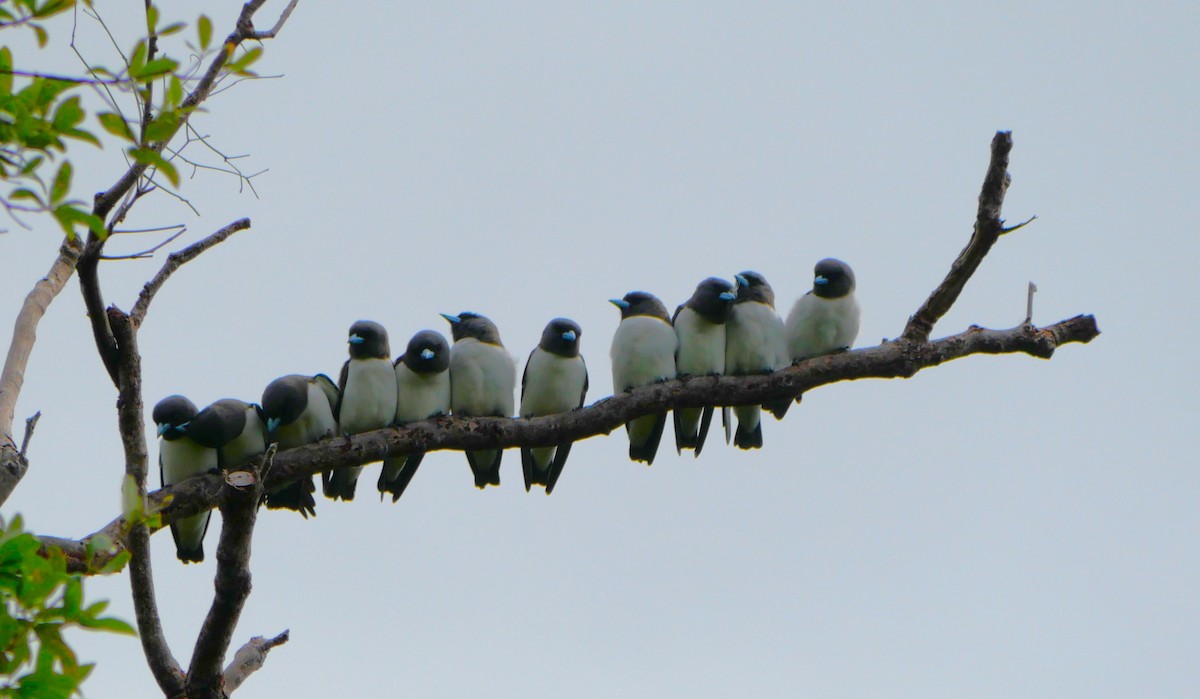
(1022, 224)
(249, 658)
(895, 359)
(239, 510)
(283, 17)
(162, 663)
(149, 252)
(1029, 303)
(176, 260)
(30, 424)
(12, 463)
(988, 227)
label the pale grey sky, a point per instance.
(997, 527)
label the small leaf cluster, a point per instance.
(38, 601)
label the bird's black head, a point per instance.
(641, 303)
(472, 325)
(427, 353)
(172, 414)
(219, 423)
(833, 279)
(369, 340)
(712, 300)
(561, 337)
(753, 287)
(284, 400)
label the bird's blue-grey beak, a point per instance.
(162, 428)
(452, 319)
(427, 353)
(742, 281)
(821, 280)
(273, 424)
(619, 303)
(728, 296)
(569, 336)
(355, 340)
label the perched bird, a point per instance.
(423, 387)
(825, 319)
(483, 376)
(555, 381)
(180, 458)
(234, 428)
(700, 326)
(643, 352)
(753, 345)
(366, 398)
(298, 410)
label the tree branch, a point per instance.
(104, 202)
(988, 229)
(176, 260)
(250, 658)
(239, 509)
(13, 464)
(896, 359)
(162, 663)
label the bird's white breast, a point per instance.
(483, 378)
(643, 351)
(251, 442)
(817, 325)
(182, 458)
(701, 345)
(369, 397)
(753, 339)
(314, 423)
(553, 384)
(420, 395)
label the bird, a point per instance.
(179, 458)
(366, 398)
(423, 390)
(298, 410)
(753, 345)
(555, 381)
(700, 326)
(483, 376)
(825, 319)
(643, 352)
(234, 428)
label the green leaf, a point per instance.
(62, 183)
(115, 124)
(42, 36)
(68, 217)
(172, 29)
(243, 62)
(164, 127)
(110, 624)
(155, 68)
(174, 93)
(6, 64)
(82, 135)
(33, 164)
(138, 59)
(154, 159)
(151, 18)
(27, 194)
(68, 114)
(117, 564)
(204, 28)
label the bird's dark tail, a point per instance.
(396, 482)
(780, 407)
(556, 466)
(341, 484)
(533, 474)
(644, 435)
(748, 437)
(296, 496)
(485, 465)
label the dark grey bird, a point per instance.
(642, 353)
(179, 458)
(366, 398)
(423, 388)
(234, 428)
(483, 376)
(753, 345)
(555, 381)
(298, 410)
(700, 326)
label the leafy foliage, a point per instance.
(41, 600)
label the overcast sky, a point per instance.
(996, 527)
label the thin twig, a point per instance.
(1022, 224)
(30, 423)
(176, 260)
(283, 17)
(148, 252)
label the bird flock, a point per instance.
(724, 328)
